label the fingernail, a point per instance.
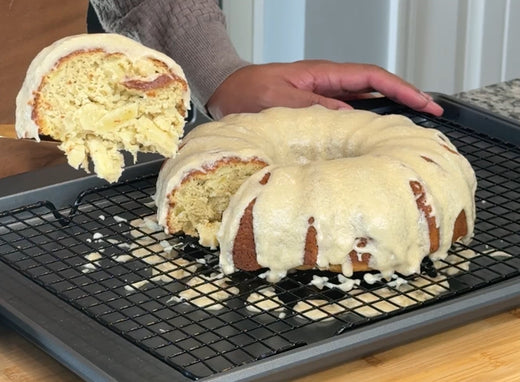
(437, 109)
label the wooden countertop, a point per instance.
(7, 131)
(484, 350)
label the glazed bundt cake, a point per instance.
(345, 190)
(100, 94)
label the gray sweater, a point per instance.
(192, 32)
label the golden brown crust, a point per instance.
(147, 86)
(450, 150)
(310, 255)
(426, 210)
(244, 249)
(461, 227)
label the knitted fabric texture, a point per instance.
(192, 32)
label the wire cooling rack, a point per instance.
(106, 256)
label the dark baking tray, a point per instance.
(98, 350)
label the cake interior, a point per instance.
(196, 207)
(98, 104)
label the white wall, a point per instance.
(456, 45)
(267, 30)
(445, 46)
(431, 43)
(241, 26)
(284, 26)
(347, 30)
(290, 30)
(512, 46)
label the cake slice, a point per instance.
(101, 94)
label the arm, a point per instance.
(192, 32)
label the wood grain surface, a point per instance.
(21, 361)
(485, 350)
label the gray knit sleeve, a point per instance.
(192, 32)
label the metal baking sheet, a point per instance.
(62, 235)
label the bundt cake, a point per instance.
(100, 94)
(345, 190)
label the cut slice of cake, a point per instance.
(101, 94)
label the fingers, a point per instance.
(347, 80)
(401, 91)
(305, 83)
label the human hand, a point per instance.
(308, 82)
